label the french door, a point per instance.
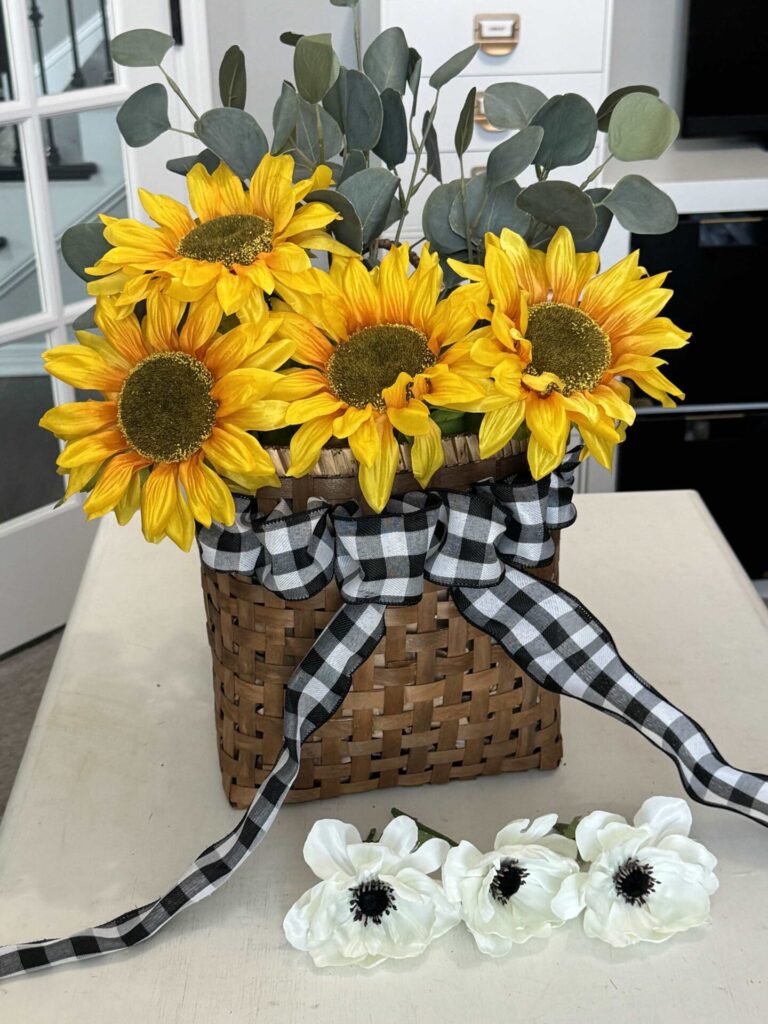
(62, 162)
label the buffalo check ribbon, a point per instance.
(478, 545)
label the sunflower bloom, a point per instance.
(386, 348)
(560, 339)
(242, 244)
(171, 434)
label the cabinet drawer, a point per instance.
(452, 98)
(553, 36)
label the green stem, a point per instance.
(596, 172)
(463, 190)
(320, 134)
(181, 131)
(180, 94)
(396, 813)
(358, 45)
(416, 164)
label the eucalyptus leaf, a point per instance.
(290, 38)
(432, 149)
(284, 118)
(345, 3)
(334, 99)
(511, 157)
(476, 194)
(387, 60)
(642, 127)
(235, 137)
(560, 202)
(86, 321)
(184, 164)
(82, 245)
(144, 115)
(232, 78)
(501, 211)
(317, 134)
(640, 206)
(392, 146)
(362, 111)
(349, 231)
(450, 421)
(414, 76)
(395, 212)
(453, 67)
(371, 192)
(593, 242)
(354, 161)
(466, 125)
(315, 66)
(451, 279)
(140, 48)
(435, 219)
(570, 131)
(608, 105)
(511, 105)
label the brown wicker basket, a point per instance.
(438, 700)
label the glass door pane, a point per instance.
(69, 45)
(19, 286)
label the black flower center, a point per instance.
(507, 880)
(371, 901)
(165, 409)
(238, 238)
(371, 360)
(569, 343)
(634, 881)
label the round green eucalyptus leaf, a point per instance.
(235, 137)
(453, 67)
(436, 219)
(354, 161)
(466, 126)
(144, 115)
(284, 118)
(511, 105)
(232, 78)
(86, 321)
(414, 76)
(642, 127)
(317, 134)
(593, 242)
(640, 206)
(334, 100)
(371, 192)
(475, 196)
(608, 105)
(140, 48)
(363, 112)
(349, 231)
(501, 211)
(82, 245)
(511, 157)
(570, 130)
(392, 146)
(559, 202)
(315, 66)
(387, 60)
(184, 164)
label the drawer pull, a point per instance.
(497, 34)
(481, 119)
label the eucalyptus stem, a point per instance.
(396, 813)
(320, 135)
(463, 189)
(180, 94)
(181, 131)
(598, 170)
(358, 44)
(416, 164)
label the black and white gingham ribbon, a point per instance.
(474, 544)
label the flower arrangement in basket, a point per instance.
(374, 443)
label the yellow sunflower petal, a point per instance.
(82, 368)
(94, 448)
(129, 504)
(310, 408)
(113, 483)
(528, 265)
(321, 177)
(307, 443)
(79, 477)
(181, 526)
(351, 420)
(365, 442)
(542, 461)
(232, 291)
(412, 419)
(232, 349)
(241, 388)
(295, 384)
(499, 427)
(310, 218)
(77, 419)
(158, 501)
(503, 285)
(548, 422)
(203, 194)
(377, 479)
(202, 321)
(393, 286)
(232, 196)
(167, 212)
(159, 324)
(427, 455)
(208, 496)
(560, 263)
(232, 449)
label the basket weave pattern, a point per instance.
(438, 700)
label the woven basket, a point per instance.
(438, 700)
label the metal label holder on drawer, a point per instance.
(497, 34)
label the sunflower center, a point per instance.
(507, 880)
(371, 901)
(567, 342)
(165, 409)
(237, 238)
(371, 360)
(634, 881)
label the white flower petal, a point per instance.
(460, 861)
(492, 945)
(588, 830)
(523, 830)
(693, 852)
(325, 849)
(664, 816)
(569, 901)
(401, 835)
(429, 857)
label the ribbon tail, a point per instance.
(313, 695)
(565, 649)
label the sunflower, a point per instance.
(171, 433)
(560, 339)
(243, 244)
(386, 348)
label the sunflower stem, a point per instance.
(425, 830)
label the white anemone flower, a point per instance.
(374, 900)
(646, 881)
(506, 895)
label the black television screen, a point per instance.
(726, 82)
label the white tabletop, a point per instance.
(119, 790)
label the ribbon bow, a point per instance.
(476, 544)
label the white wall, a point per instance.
(648, 46)
(255, 25)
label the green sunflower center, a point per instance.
(165, 409)
(567, 342)
(372, 359)
(238, 238)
